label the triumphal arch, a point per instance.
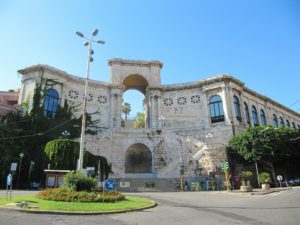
(187, 126)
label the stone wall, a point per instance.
(179, 133)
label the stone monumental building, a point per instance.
(187, 126)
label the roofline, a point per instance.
(61, 73)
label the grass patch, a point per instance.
(130, 202)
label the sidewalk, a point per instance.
(259, 191)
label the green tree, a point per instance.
(126, 108)
(267, 145)
(139, 120)
(27, 130)
(62, 153)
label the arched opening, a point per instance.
(133, 104)
(136, 82)
(138, 159)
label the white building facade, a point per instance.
(187, 125)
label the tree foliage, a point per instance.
(27, 130)
(126, 108)
(62, 154)
(267, 145)
(139, 120)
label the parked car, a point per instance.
(35, 185)
(294, 181)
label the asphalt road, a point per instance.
(186, 208)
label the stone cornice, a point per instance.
(269, 100)
(200, 84)
(140, 63)
(60, 73)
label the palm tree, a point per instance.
(126, 108)
(139, 120)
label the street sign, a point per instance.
(125, 184)
(13, 167)
(109, 185)
(279, 178)
(8, 180)
(90, 171)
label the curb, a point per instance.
(258, 192)
(53, 212)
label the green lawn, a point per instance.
(130, 202)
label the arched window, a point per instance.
(281, 123)
(288, 123)
(237, 108)
(51, 101)
(254, 115)
(216, 109)
(263, 118)
(275, 122)
(293, 125)
(247, 114)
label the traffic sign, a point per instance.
(8, 180)
(279, 178)
(109, 185)
(13, 167)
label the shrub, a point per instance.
(264, 178)
(246, 175)
(79, 182)
(68, 194)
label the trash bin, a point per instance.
(237, 182)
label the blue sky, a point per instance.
(256, 41)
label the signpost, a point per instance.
(279, 178)
(109, 185)
(9, 179)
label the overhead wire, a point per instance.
(38, 134)
(295, 102)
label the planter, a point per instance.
(244, 188)
(265, 186)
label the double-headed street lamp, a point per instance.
(88, 43)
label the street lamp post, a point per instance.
(65, 133)
(21, 157)
(87, 43)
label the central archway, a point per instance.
(136, 82)
(138, 159)
(134, 98)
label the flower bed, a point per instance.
(67, 194)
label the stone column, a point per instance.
(226, 106)
(242, 107)
(269, 116)
(206, 109)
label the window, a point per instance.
(263, 118)
(51, 101)
(254, 115)
(216, 109)
(181, 100)
(237, 108)
(102, 99)
(293, 125)
(281, 123)
(247, 114)
(275, 122)
(195, 99)
(168, 101)
(288, 123)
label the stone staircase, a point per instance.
(148, 185)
